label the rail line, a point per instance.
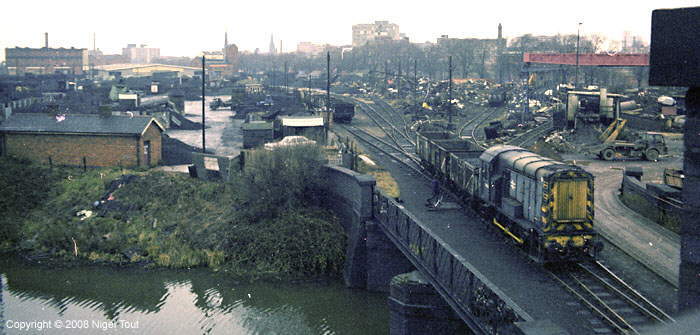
(406, 159)
(530, 137)
(400, 138)
(616, 305)
(398, 117)
(472, 125)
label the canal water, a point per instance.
(90, 300)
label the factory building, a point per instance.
(141, 54)
(379, 30)
(220, 63)
(46, 61)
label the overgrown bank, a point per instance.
(267, 222)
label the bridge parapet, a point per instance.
(482, 305)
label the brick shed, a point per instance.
(67, 140)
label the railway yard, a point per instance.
(629, 287)
(522, 189)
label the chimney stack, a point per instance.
(46, 40)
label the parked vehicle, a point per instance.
(649, 146)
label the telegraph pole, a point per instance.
(578, 38)
(398, 80)
(204, 143)
(327, 120)
(328, 81)
(286, 82)
(449, 96)
(386, 74)
(415, 85)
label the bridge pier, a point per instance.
(416, 308)
(384, 259)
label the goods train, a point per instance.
(545, 206)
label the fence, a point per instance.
(472, 296)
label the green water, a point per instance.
(100, 300)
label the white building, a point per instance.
(363, 33)
(141, 54)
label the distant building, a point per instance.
(77, 139)
(273, 48)
(379, 30)
(311, 48)
(112, 71)
(220, 63)
(97, 57)
(141, 54)
(46, 60)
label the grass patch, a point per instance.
(266, 223)
(385, 181)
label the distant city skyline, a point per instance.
(186, 31)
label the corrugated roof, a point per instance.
(77, 124)
(302, 121)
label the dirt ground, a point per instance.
(223, 135)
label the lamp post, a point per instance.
(578, 38)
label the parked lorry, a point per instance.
(647, 146)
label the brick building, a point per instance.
(46, 60)
(77, 139)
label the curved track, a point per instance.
(531, 136)
(470, 127)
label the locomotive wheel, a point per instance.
(608, 154)
(651, 155)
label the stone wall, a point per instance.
(350, 197)
(635, 195)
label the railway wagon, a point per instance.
(543, 205)
(434, 149)
(343, 112)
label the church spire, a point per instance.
(273, 49)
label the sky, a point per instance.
(182, 28)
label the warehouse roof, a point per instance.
(77, 124)
(302, 121)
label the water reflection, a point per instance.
(184, 302)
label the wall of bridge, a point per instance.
(371, 259)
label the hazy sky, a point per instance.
(184, 28)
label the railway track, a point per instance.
(470, 127)
(386, 119)
(530, 137)
(397, 153)
(397, 117)
(615, 305)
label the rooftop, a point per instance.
(128, 66)
(77, 124)
(302, 121)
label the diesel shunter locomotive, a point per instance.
(545, 206)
